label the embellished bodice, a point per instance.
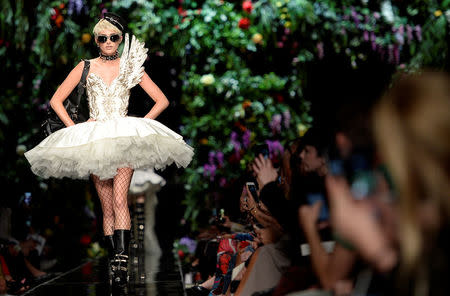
(111, 101)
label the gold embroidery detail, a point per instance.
(108, 102)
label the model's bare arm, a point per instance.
(156, 94)
(64, 91)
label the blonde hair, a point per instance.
(412, 131)
(103, 25)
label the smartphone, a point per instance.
(312, 198)
(251, 187)
(262, 149)
(336, 167)
(221, 216)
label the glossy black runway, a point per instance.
(149, 275)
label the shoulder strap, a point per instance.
(87, 65)
(82, 84)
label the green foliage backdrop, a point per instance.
(243, 68)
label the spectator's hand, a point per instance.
(356, 222)
(27, 246)
(251, 203)
(343, 288)
(90, 119)
(224, 236)
(8, 278)
(265, 172)
(227, 222)
(308, 216)
(243, 200)
(267, 235)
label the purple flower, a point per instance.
(355, 16)
(236, 144)
(234, 136)
(391, 53)
(366, 36)
(219, 157)
(222, 182)
(419, 32)
(246, 138)
(286, 118)
(78, 5)
(397, 54)
(209, 170)
(104, 10)
(376, 15)
(409, 33)
(275, 124)
(189, 243)
(320, 50)
(373, 39)
(343, 31)
(211, 156)
(399, 34)
(275, 147)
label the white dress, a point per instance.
(114, 140)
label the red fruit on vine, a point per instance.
(85, 240)
(180, 254)
(244, 23)
(247, 6)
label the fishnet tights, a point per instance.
(113, 194)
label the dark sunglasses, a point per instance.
(103, 38)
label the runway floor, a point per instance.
(150, 275)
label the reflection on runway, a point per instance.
(147, 278)
(152, 271)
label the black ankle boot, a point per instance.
(109, 242)
(121, 252)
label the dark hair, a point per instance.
(319, 138)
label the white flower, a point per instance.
(96, 247)
(387, 11)
(21, 149)
(447, 15)
(207, 79)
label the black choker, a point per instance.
(111, 57)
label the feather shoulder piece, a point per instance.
(132, 59)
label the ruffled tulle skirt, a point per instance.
(100, 148)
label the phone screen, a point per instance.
(315, 197)
(262, 149)
(252, 189)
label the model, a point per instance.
(110, 145)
